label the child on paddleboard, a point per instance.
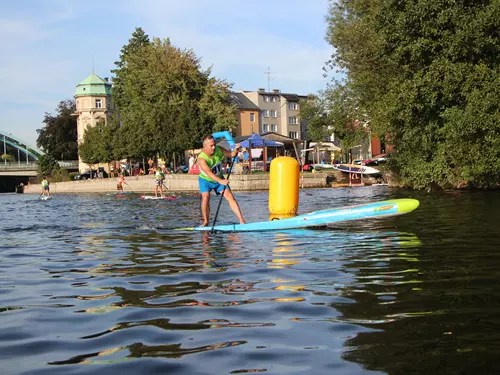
(119, 184)
(159, 177)
(45, 187)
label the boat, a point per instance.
(166, 197)
(357, 169)
(323, 217)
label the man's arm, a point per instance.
(231, 154)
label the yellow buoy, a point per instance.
(284, 186)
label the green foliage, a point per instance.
(426, 74)
(58, 137)
(170, 102)
(139, 39)
(47, 165)
(8, 157)
(98, 144)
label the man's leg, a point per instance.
(205, 207)
(234, 205)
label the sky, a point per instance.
(48, 47)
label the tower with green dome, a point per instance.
(93, 105)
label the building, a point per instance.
(248, 115)
(93, 105)
(279, 112)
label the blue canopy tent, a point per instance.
(256, 141)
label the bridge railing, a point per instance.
(31, 165)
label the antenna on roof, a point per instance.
(268, 73)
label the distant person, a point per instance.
(192, 160)
(45, 187)
(119, 184)
(159, 178)
(211, 177)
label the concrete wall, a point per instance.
(175, 183)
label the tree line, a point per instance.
(164, 102)
(425, 75)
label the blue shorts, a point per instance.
(46, 188)
(207, 186)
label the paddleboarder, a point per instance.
(211, 177)
(119, 183)
(45, 187)
(159, 178)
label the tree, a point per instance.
(170, 101)
(139, 39)
(426, 74)
(58, 137)
(46, 165)
(8, 157)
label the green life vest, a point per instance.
(45, 183)
(214, 163)
(159, 175)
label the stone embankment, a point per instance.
(174, 182)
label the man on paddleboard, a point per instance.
(211, 177)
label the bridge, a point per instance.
(19, 162)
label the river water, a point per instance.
(97, 284)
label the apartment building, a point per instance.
(248, 114)
(279, 112)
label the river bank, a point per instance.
(174, 183)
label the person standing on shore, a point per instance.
(211, 177)
(45, 187)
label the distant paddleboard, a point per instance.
(358, 169)
(324, 217)
(44, 198)
(165, 198)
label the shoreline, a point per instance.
(174, 183)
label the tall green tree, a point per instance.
(139, 39)
(58, 137)
(425, 73)
(171, 101)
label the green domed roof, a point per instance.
(93, 85)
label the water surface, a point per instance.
(101, 284)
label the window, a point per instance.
(98, 103)
(265, 113)
(275, 99)
(293, 135)
(274, 128)
(292, 120)
(266, 98)
(265, 127)
(293, 106)
(273, 113)
(252, 117)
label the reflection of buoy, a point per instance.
(280, 217)
(284, 186)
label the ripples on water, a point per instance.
(99, 284)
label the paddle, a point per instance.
(222, 194)
(129, 187)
